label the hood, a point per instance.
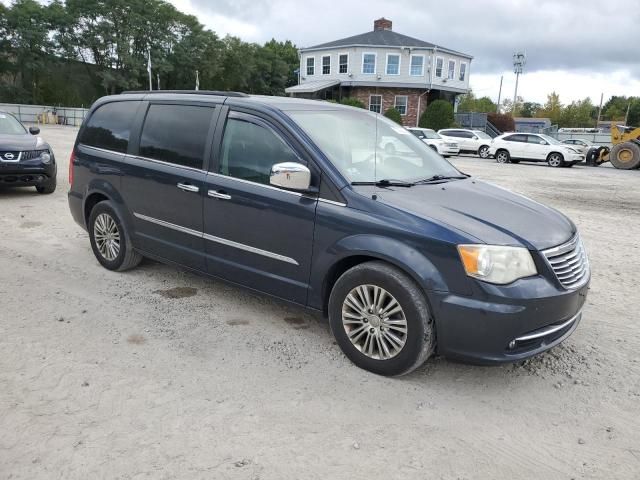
(19, 142)
(489, 213)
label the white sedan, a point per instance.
(533, 147)
(445, 147)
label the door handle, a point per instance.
(188, 188)
(215, 194)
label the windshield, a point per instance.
(368, 147)
(10, 126)
(482, 135)
(551, 140)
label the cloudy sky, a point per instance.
(578, 48)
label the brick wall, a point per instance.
(388, 100)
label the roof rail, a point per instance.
(189, 92)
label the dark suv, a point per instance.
(25, 159)
(295, 198)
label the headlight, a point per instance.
(496, 264)
(46, 158)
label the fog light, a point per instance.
(512, 344)
(46, 158)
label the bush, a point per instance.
(393, 114)
(439, 114)
(502, 121)
(352, 102)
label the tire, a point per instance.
(483, 151)
(502, 156)
(555, 160)
(625, 156)
(390, 357)
(115, 253)
(47, 187)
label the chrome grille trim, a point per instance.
(569, 262)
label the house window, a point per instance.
(401, 104)
(417, 65)
(439, 66)
(375, 103)
(463, 71)
(311, 66)
(369, 63)
(343, 61)
(393, 64)
(452, 70)
(326, 65)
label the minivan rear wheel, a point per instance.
(381, 319)
(110, 240)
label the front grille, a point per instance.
(31, 154)
(452, 144)
(570, 263)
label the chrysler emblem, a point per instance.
(8, 156)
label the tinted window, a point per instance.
(250, 150)
(176, 134)
(109, 126)
(516, 138)
(535, 139)
(452, 133)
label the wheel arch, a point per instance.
(99, 191)
(359, 249)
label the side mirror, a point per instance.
(542, 142)
(474, 137)
(290, 175)
(34, 130)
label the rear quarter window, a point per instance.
(109, 126)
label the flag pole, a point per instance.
(149, 67)
(197, 80)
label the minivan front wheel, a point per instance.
(380, 319)
(110, 240)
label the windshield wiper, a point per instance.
(439, 178)
(386, 182)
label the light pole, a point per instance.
(519, 59)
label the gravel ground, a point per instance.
(158, 373)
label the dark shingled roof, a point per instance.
(382, 38)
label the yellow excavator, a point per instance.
(625, 152)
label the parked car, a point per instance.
(470, 141)
(533, 147)
(295, 198)
(446, 148)
(581, 145)
(25, 159)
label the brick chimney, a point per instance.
(382, 24)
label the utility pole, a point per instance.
(626, 117)
(158, 80)
(149, 68)
(519, 59)
(499, 94)
(599, 110)
(197, 80)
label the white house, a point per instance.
(383, 69)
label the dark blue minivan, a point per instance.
(299, 199)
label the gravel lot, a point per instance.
(157, 373)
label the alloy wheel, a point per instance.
(107, 236)
(484, 152)
(555, 160)
(502, 157)
(374, 322)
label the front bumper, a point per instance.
(449, 150)
(576, 157)
(27, 173)
(506, 326)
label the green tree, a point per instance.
(577, 114)
(393, 114)
(634, 113)
(469, 103)
(529, 109)
(439, 114)
(552, 109)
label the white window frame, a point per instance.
(375, 62)
(451, 74)
(386, 67)
(460, 77)
(306, 66)
(406, 105)
(322, 64)
(342, 55)
(370, 97)
(435, 69)
(421, 74)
